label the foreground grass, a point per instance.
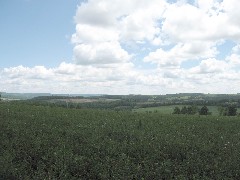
(56, 143)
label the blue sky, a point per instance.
(120, 46)
(36, 32)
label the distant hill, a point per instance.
(26, 96)
(22, 96)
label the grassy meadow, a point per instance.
(40, 142)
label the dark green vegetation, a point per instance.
(230, 110)
(41, 142)
(191, 110)
(213, 110)
(204, 111)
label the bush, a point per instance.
(176, 110)
(230, 110)
(203, 111)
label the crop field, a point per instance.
(40, 142)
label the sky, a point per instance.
(120, 46)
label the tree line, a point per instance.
(230, 110)
(191, 110)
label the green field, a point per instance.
(40, 142)
(169, 109)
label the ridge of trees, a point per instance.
(191, 110)
(229, 110)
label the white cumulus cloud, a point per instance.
(113, 38)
